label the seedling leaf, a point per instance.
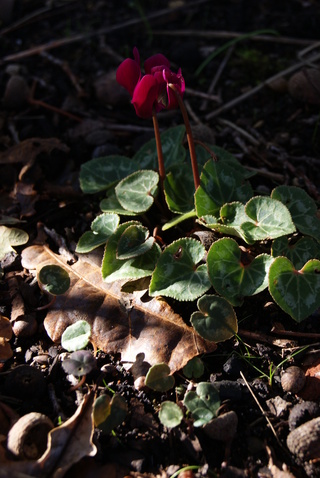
(79, 363)
(109, 413)
(170, 414)
(158, 378)
(194, 368)
(54, 279)
(76, 336)
(202, 403)
(216, 320)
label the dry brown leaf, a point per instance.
(67, 445)
(120, 322)
(5, 336)
(71, 441)
(29, 149)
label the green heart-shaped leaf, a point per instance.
(101, 173)
(158, 378)
(112, 205)
(134, 242)
(108, 413)
(202, 403)
(302, 207)
(220, 183)
(297, 292)
(101, 229)
(232, 216)
(179, 189)
(216, 320)
(194, 368)
(177, 275)
(133, 268)
(298, 252)
(233, 274)
(268, 217)
(136, 192)
(170, 414)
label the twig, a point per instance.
(225, 34)
(66, 68)
(103, 31)
(191, 113)
(201, 94)
(255, 90)
(217, 75)
(244, 133)
(261, 409)
(267, 174)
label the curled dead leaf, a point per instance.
(29, 149)
(126, 323)
(5, 336)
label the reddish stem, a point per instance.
(162, 172)
(192, 150)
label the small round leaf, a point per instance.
(54, 279)
(79, 363)
(158, 378)
(170, 414)
(76, 336)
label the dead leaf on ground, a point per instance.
(120, 322)
(67, 445)
(311, 390)
(29, 149)
(5, 336)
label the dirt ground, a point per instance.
(259, 99)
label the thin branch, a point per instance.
(225, 34)
(217, 75)
(253, 91)
(103, 31)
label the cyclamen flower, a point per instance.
(150, 92)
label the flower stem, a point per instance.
(162, 172)
(192, 150)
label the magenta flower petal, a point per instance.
(145, 95)
(136, 55)
(128, 74)
(156, 60)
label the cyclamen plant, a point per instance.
(257, 242)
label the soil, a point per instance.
(57, 81)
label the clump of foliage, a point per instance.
(259, 242)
